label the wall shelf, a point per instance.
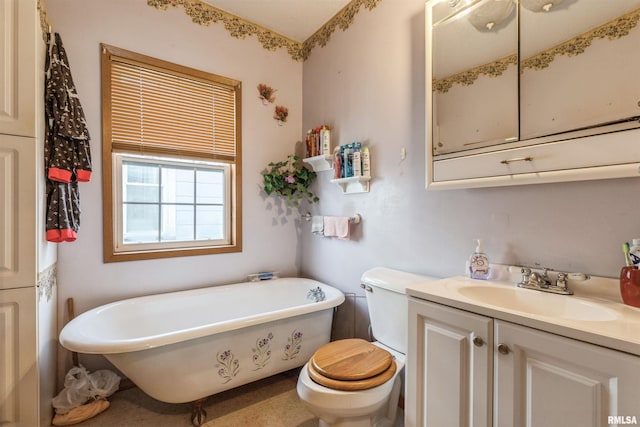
(320, 163)
(353, 184)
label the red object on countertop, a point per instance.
(630, 285)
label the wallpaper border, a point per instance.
(204, 14)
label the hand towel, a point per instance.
(337, 226)
(317, 225)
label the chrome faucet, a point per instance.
(316, 295)
(541, 282)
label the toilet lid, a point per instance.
(351, 360)
(353, 385)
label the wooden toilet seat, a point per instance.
(351, 364)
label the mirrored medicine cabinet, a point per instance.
(531, 91)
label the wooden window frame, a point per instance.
(108, 178)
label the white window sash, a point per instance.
(118, 206)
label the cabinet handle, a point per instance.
(517, 159)
(478, 342)
(503, 349)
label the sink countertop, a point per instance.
(619, 330)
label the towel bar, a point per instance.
(354, 219)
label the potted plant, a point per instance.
(290, 179)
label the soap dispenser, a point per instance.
(479, 263)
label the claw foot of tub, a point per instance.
(198, 414)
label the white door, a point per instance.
(449, 367)
(546, 380)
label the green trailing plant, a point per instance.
(290, 179)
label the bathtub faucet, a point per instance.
(316, 295)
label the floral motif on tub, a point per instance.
(228, 364)
(294, 345)
(262, 351)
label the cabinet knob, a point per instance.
(503, 349)
(478, 342)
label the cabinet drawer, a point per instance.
(610, 149)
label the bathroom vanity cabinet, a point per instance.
(469, 369)
(28, 330)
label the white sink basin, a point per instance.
(538, 303)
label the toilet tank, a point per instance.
(386, 292)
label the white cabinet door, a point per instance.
(19, 80)
(18, 210)
(547, 380)
(449, 367)
(18, 365)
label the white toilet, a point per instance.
(362, 381)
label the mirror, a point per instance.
(531, 91)
(586, 50)
(475, 74)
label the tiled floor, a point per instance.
(271, 402)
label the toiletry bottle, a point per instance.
(634, 253)
(357, 159)
(347, 158)
(318, 142)
(325, 137)
(366, 161)
(309, 143)
(337, 163)
(479, 263)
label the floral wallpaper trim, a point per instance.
(45, 22)
(46, 282)
(468, 77)
(343, 19)
(203, 14)
(614, 29)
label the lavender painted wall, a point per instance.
(270, 238)
(368, 85)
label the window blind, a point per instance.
(154, 111)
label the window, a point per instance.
(171, 159)
(165, 203)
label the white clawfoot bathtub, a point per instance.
(184, 346)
